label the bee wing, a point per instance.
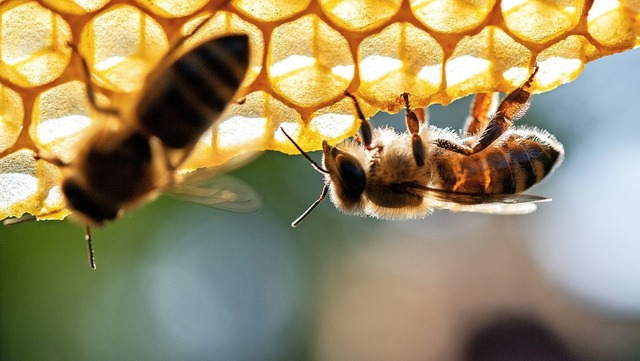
(484, 203)
(218, 191)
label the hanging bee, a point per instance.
(120, 167)
(388, 175)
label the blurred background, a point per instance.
(176, 281)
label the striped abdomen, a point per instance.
(509, 166)
(181, 101)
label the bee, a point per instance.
(388, 175)
(119, 167)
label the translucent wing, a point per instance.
(221, 191)
(483, 203)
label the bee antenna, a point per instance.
(87, 237)
(314, 164)
(312, 207)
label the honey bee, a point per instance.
(388, 175)
(119, 167)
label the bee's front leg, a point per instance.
(414, 118)
(366, 131)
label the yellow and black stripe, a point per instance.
(183, 100)
(510, 166)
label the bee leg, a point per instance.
(413, 119)
(91, 93)
(511, 108)
(365, 126)
(482, 106)
(173, 165)
(50, 159)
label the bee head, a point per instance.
(81, 201)
(348, 178)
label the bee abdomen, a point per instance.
(193, 91)
(545, 152)
(523, 159)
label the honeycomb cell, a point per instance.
(242, 128)
(400, 58)
(172, 8)
(541, 20)
(451, 16)
(76, 7)
(360, 15)
(610, 25)
(18, 183)
(228, 23)
(53, 206)
(48, 203)
(33, 48)
(270, 10)
(60, 119)
(332, 123)
(309, 62)
(561, 62)
(121, 45)
(488, 61)
(11, 117)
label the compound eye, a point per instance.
(352, 176)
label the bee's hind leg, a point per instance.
(511, 108)
(482, 106)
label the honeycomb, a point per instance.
(304, 55)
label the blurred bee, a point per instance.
(120, 167)
(388, 175)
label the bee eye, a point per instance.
(352, 176)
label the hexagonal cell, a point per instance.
(60, 119)
(360, 15)
(270, 10)
(121, 45)
(18, 183)
(610, 24)
(254, 121)
(541, 20)
(34, 50)
(228, 23)
(11, 117)
(172, 8)
(53, 206)
(561, 62)
(486, 62)
(400, 58)
(76, 7)
(333, 123)
(309, 62)
(242, 128)
(451, 16)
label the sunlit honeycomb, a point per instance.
(304, 56)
